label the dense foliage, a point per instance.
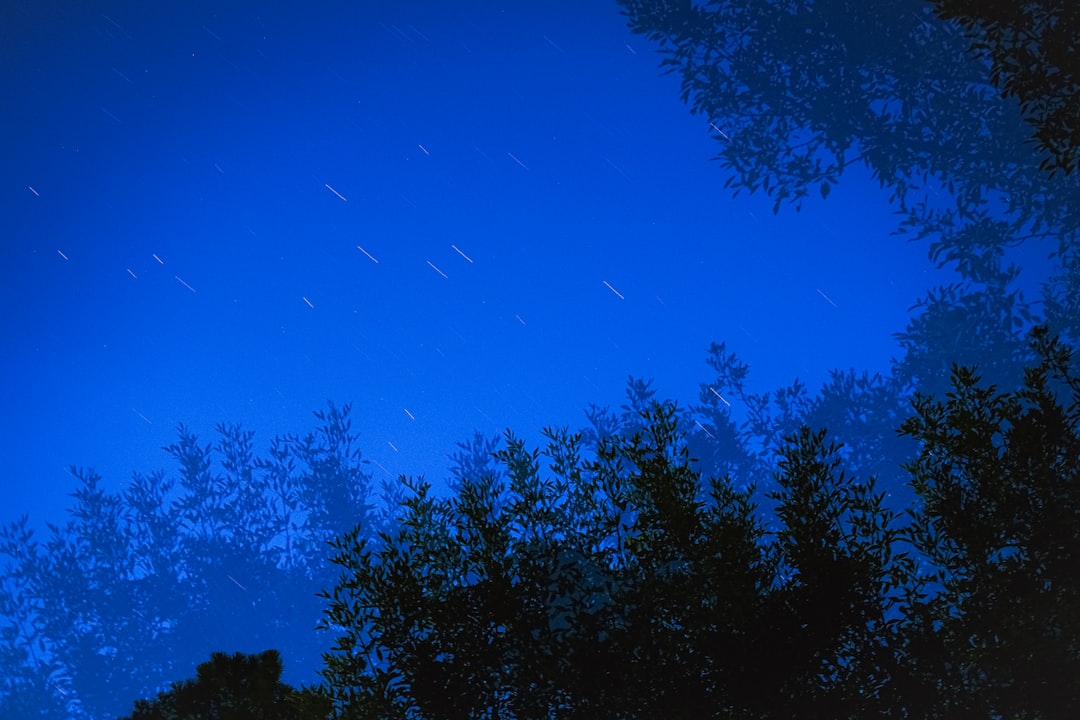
(1034, 49)
(607, 576)
(623, 584)
(999, 527)
(619, 586)
(233, 687)
(799, 93)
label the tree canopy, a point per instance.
(138, 585)
(233, 687)
(607, 575)
(799, 93)
(621, 583)
(1034, 49)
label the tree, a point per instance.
(232, 687)
(796, 94)
(1034, 49)
(31, 683)
(624, 585)
(999, 526)
(799, 92)
(228, 554)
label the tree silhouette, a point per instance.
(999, 523)
(623, 585)
(137, 585)
(607, 576)
(31, 684)
(232, 687)
(798, 92)
(1034, 49)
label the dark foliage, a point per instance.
(1034, 50)
(799, 92)
(621, 583)
(233, 687)
(999, 526)
(619, 586)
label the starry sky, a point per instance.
(457, 216)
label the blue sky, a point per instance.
(459, 217)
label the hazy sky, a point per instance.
(456, 216)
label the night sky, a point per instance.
(457, 216)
